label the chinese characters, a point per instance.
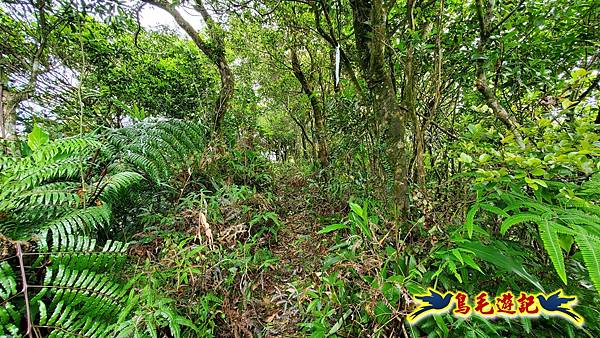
(505, 304)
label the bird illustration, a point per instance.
(554, 303)
(435, 301)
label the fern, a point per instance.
(57, 198)
(158, 147)
(549, 238)
(117, 184)
(77, 296)
(575, 216)
(519, 218)
(590, 250)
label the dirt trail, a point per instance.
(300, 251)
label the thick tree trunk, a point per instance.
(369, 21)
(8, 106)
(318, 115)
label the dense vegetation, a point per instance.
(296, 168)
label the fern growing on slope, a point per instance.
(157, 147)
(569, 216)
(61, 282)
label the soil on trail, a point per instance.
(299, 250)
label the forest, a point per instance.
(299, 168)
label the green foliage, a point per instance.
(43, 189)
(351, 286)
(131, 73)
(141, 227)
(54, 196)
(563, 209)
(74, 292)
(147, 311)
(266, 222)
(158, 147)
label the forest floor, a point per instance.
(299, 251)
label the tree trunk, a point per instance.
(2, 118)
(215, 51)
(8, 105)
(318, 116)
(369, 21)
(410, 100)
(485, 15)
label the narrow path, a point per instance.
(300, 251)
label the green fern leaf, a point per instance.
(493, 209)
(551, 244)
(590, 250)
(117, 184)
(519, 218)
(8, 281)
(470, 219)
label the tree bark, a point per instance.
(215, 51)
(9, 103)
(369, 22)
(410, 99)
(2, 119)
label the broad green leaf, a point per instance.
(333, 227)
(339, 323)
(538, 172)
(357, 209)
(37, 138)
(566, 242)
(494, 255)
(469, 222)
(465, 158)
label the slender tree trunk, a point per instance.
(2, 126)
(410, 99)
(225, 94)
(485, 15)
(214, 50)
(318, 115)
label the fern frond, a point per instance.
(590, 250)
(550, 240)
(51, 194)
(65, 321)
(117, 184)
(591, 187)
(80, 220)
(575, 216)
(31, 177)
(79, 147)
(519, 218)
(8, 281)
(158, 147)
